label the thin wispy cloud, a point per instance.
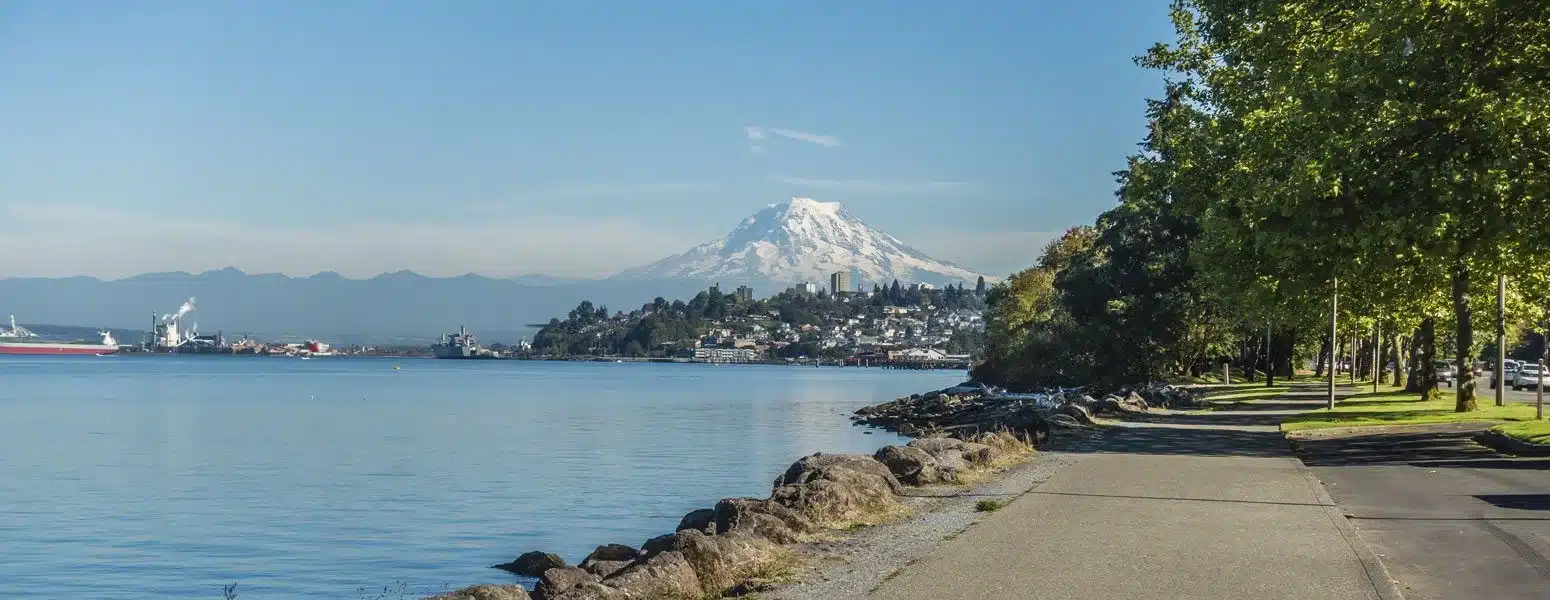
(869, 186)
(758, 134)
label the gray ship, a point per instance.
(461, 345)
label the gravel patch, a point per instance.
(853, 566)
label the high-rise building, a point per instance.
(839, 282)
(744, 293)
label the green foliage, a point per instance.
(989, 505)
(660, 327)
(1400, 147)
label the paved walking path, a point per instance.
(1209, 506)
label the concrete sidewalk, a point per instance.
(1165, 510)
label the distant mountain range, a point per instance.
(789, 242)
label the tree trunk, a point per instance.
(1466, 341)
(1270, 365)
(1288, 342)
(1318, 365)
(1427, 351)
(1398, 356)
(1383, 355)
(1250, 360)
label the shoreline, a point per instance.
(834, 525)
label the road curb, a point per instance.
(1383, 584)
(1507, 445)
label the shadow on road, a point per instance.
(1442, 446)
(1161, 438)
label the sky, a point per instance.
(573, 138)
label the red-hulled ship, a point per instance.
(17, 340)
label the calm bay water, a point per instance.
(134, 477)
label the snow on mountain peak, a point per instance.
(802, 239)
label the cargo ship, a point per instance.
(461, 345)
(18, 340)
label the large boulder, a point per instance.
(658, 545)
(1136, 402)
(589, 590)
(603, 568)
(486, 591)
(813, 466)
(762, 518)
(533, 564)
(1003, 441)
(1076, 412)
(722, 561)
(951, 467)
(699, 519)
(980, 455)
(938, 446)
(556, 581)
(609, 559)
(667, 574)
(913, 465)
(835, 489)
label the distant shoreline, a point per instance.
(596, 359)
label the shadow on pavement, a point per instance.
(1442, 447)
(1517, 501)
(1162, 439)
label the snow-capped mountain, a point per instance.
(799, 240)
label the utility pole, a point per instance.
(1539, 395)
(1501, 339)
(1334, 337)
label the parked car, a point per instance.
(1528, 376)
(1445, 370)
(1509, 370)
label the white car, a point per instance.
(1529, 376)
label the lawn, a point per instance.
(1533, 432)
(1402, 408)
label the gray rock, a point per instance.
(980, 454)
(1075, 412)
(762, 518)
(658, 545)
(813, 466)
(665, 574)
(911, 465)
(486, 592)
(533, 564)
(722, 561)
(699, 520)
(589, 590)
(833, 489)
(556, 581)
(604, 568)
(937, 446)
(614, 552)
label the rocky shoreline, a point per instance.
(743, 546)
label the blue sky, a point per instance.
(572, 138)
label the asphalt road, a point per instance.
(1484, 392)
(1449, 518)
